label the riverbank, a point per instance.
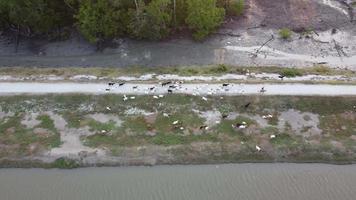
(66, 131)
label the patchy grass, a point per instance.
(47, 123)
(224, 142)
(24, 141)
(98, 126)
(136, 125)
(73, 119)
(270, 130)
(339, 125)
(285, 140)
(109, 73)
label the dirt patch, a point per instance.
(211, 117)
(106, 118)
(71, 146)
(30, 120)
(5, 114)
(337, 144)
(151, 119)
(136, 111)
(299, 124)
(298, 15)
(41, 132)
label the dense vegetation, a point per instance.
(100, 20)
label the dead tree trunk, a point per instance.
(264, 44)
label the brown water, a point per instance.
(205, 182)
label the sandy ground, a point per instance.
(236, 43)
(198, 89)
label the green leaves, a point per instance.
(204, 17)
(36, 16)
(151, 21)
(97, 20)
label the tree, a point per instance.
(31, 17)
(98, 20)
(159, 18)
(3, 15)
(180, 13)
(151, 21)
(203, 17)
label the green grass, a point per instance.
(73, 119)
(98, 126)
(225, 127)
(136, 125)
(284, 140)
(47, 123)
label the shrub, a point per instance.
(65, 163)
(203, 17)
(291, 72)
(151, 21)
(285, 33)
(320, 69)
(219, 69)
(236, 7)
(98, 20)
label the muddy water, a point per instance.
(224, 182)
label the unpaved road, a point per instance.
(192, 89)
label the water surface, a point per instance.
(204, 182)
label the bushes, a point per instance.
(98, 19)
(203, 17)
(291, 72)
(285, 33)
(65, 163)
(151, 21)
(236, 7)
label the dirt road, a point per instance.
(192, 89)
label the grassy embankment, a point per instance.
(216, 70)
(330, 137)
